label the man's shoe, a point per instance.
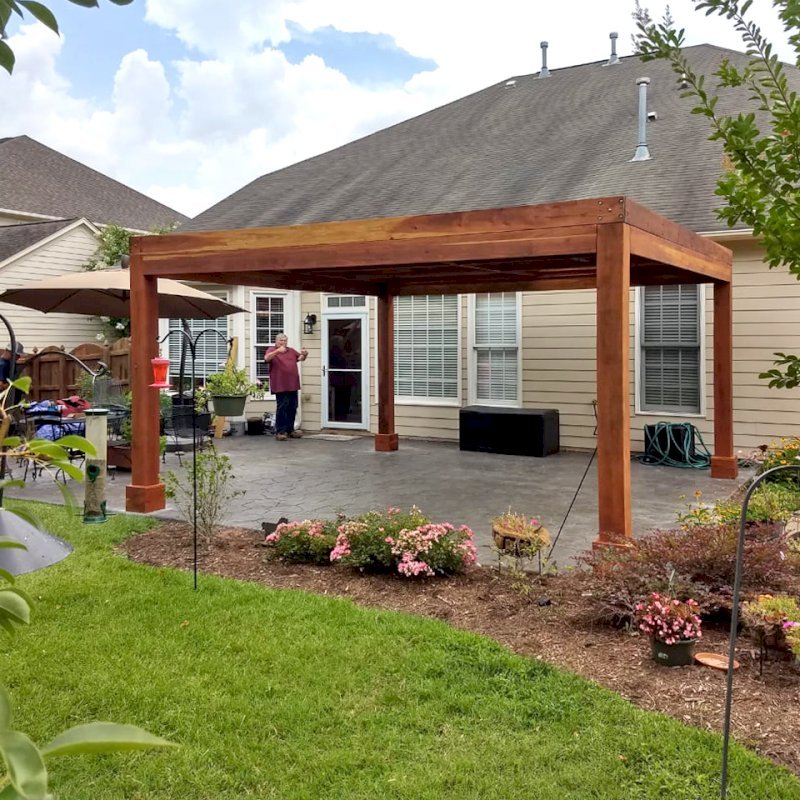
(296, 434)
(281, 437)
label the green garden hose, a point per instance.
(678, 437)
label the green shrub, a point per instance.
(781, 453)
(771, 502)
(306, 542)
(214, 491)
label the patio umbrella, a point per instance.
(108, 292)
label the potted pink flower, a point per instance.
(673, 627)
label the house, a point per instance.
(51, 210)
(526, 140)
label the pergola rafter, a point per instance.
(608, 244)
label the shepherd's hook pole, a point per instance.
(737, 586)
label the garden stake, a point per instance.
(574, 498)
(737, 585)
(187, 339)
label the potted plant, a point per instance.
(673, 627)
(768, 617)
(516, 533)
(228, 391)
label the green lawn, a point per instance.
(287, 695)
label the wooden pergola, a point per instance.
(608, 244)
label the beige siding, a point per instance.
(66, 253)
(558, 361)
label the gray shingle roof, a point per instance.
(566, 137)
(38, 180)
(14, 238)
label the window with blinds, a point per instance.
(669, 336)
(496, 348)
(426, 352)
(212, 350)
(268, 319)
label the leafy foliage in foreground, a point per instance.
(761, 142)
(39, 12)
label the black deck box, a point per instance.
(511, 431)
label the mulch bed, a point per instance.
(766, 708)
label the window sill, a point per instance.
(676, 414)
(422, 401)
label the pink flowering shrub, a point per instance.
(668, 620)
(433, 549)
(365, 542)
(307, 542)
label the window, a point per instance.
(670, 362)
(347, 301)
(268, 321)
(212, 350)
(426, 347)
(496, 348)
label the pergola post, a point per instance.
(613, 409)
(723, 462)
(386, 438)
(145, 493)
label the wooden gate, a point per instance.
(55, 373)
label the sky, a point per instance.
(188, 103)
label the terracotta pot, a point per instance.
(680, 654)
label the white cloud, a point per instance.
(237, 108)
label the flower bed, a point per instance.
(407, 543)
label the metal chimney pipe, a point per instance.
(544, 72)
(642, 152)
(614, 59)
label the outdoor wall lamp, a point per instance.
(309, 322)
(160, 370)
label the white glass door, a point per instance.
(345, 388)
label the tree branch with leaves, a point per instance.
(761, 188)
(41, 13)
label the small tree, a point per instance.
(761, 187)
(38, 11)
(214, 475)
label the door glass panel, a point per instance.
(345, 358)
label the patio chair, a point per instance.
(50, 424)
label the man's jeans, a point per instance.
(286, 411)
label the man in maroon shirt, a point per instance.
(284, 383)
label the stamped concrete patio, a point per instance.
(315, 477)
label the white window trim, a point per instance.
(440, 402)
(637, 361)
(291, 316)
(472, 363)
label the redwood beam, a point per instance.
(386, 438)
(145, 493)
(535, 218)
(716, 266)
(356, 255)
(723, 462)
(613, 409)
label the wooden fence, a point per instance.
(55, 373)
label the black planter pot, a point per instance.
(680, 654)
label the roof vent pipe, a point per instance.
(544, 72)
(642, 152)
(614, 59)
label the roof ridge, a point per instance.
(64, 221)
